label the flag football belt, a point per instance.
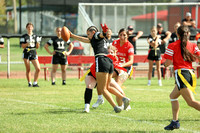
(29, 49)
(192, 88)
(63, 52)
(155, 50)
(85, 74)
(100, 54)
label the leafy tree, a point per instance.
(2, 12)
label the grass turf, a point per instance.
(59, 108)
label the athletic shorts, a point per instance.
(187, 75)
(31, 55)
(104, 64)
(154, 57)
(129, 69)
(59, 58)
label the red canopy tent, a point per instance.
(162, 15)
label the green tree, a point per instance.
(2, 12)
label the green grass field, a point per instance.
(50, 109)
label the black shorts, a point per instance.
(154, 57)
(187, 75)
(104, 64)
(31, 55)
(129, 69)
(59, 58)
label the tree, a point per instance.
(2, 12)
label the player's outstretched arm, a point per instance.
(80, 38)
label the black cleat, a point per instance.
(36, 85)
(53, 83)
(29, 85)
(173, 125)
(63, 83)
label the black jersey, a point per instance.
(163, 35)
(32, 40)
(109, 41)
(130, 39)
(1, 40)
(152, 39)
(173, 37)
(98, 44)
(58, 44)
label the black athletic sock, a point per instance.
(88, 95)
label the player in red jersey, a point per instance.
(125, 53)
(182, 53)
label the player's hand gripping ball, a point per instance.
(65, 33)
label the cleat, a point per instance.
(160, 84)
(117, 109)
(99, 102)
(149, 84)
(29, 85)
(64, 83)
(128, 108)
(53, 83)
(173, 125)
(87, 108)
(36, 85)
(126, 102)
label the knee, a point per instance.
(63, 71)
(28, 70)
(37, 70)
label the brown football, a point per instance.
(65, 33)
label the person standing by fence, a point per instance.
(1, 42)
(59, 55)
(30, 42)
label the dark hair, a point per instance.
(92, 28)
(183, 32)
(122, 30)
(29, 23)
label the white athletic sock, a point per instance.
(30, 83)
(87, 105)
(35, 82)
(159, 81)
(100, 96)
(149, 81)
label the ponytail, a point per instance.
(183, 32)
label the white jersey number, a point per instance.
(61, 45)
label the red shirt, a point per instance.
(124, 51)
(173, 52)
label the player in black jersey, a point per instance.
(59, 54)
(154, 54)
(1, 42)
(30, 42)
(104, 65)
(174, 36)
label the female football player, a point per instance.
(30, 42)
(182, 53)
(154, 54)
(90, 81)
(1, 42)
(59, 55)
(104, 65)
(125, 55)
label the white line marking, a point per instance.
(112, 115)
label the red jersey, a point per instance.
(124, 51)
(173, 52)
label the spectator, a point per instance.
(174, 34)
(188, 21)
(1, 42)
(133, 36)
(109, 38)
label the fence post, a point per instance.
(155, 15)
(8, 58)
(196, 15)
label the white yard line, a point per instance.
(106, 114)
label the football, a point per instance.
(65, 33)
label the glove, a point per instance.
(104, 28)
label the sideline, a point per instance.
(111, 115)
